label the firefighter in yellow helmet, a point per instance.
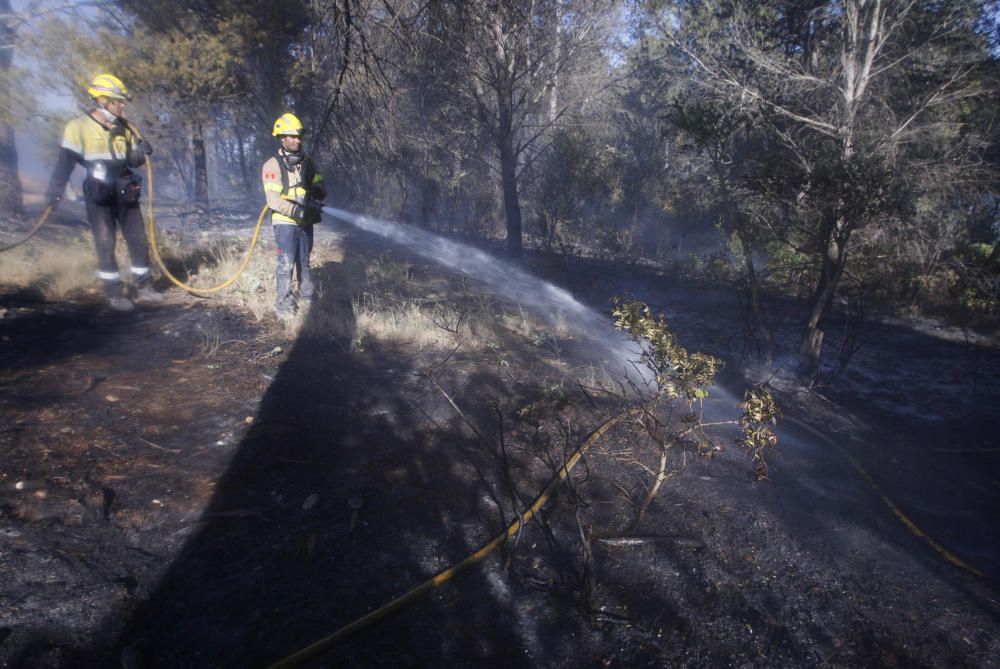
(294, 192)
(104, 143)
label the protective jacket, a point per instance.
(289, 186)
(108, 154)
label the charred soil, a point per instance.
(184, 487)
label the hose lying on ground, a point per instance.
(31, 233)
(428, 585)
(403, 600)
(151, 233)
(893, 507)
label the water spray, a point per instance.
(520, 286)
(621, 353)
(512, 283)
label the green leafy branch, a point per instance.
(760, 412)
(678, 371)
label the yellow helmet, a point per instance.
(109, 86)
(288, 124)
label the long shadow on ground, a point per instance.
(279, 561)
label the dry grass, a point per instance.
(57, 270)
(388, 303)
(208, 262)
(438, 313)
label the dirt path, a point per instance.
(175, 492)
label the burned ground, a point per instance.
(184, 487)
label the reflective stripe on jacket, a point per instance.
(92, 141)
(274, 188)
(86, 141)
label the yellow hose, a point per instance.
(31, 233)
(896, 511)
(151, 229)
(401, 601)
(151, 233)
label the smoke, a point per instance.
(37, 149)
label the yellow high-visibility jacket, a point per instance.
(294, 183)
(87, 142)
(93, 141)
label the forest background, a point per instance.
(842, 153)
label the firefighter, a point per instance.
(104, 143)
(294, 192)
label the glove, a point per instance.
(313, 213)
(298, 212)
(144, 147)
(317, 192)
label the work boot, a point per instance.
(120, 303)
(306, 290)
(146, 294)
(117, 301)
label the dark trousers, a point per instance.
(103, 219)
(294, 245)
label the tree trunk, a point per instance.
(753, 295)
(554, 90)
(248, 184)
(739, 225)
(511, 203)
(404, 197)
(200, 167)
(834, 260)
(10, 183)
(180, 166)
(862, 39)
(428, 201)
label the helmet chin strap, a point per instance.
(106, 117)
(292, 158)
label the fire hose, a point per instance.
(151, 233)
(31, 233)
(893, 507)
(396, 604)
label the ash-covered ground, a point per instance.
(183, 487)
